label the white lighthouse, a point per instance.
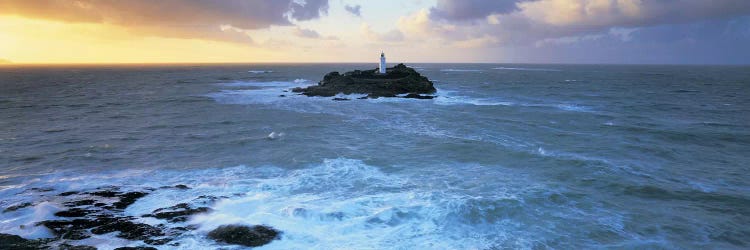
(382, 62)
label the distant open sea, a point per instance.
(507, 156)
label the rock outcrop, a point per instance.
(102, 211)
(397, 81)
(244, 235)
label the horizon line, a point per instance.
(350, 62)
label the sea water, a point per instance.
(506, 156)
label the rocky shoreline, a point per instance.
(101, 211)
(398, 81)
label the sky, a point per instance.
(471, 31)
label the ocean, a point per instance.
(505, 157)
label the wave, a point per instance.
(461, 70)
(447, 98)
(527, 69)
(572, 107)
(261, 84)
(458, 100)
(341, 203)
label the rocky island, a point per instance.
(398, 80)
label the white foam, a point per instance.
(465, 100)
(448, 97)
(573, 107)
(275, 135)
(22, 221)
(339, 204)
(259, 71)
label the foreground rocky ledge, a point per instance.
(101, 211)
(398, 80)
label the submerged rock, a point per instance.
(127, 199)
(177, 213)
(74, 212)
(75, 247)
(9, 241)
(418, 96)
(128, 229)
(397, 80)
(16, 207)
(244, 235)
(70, 229)
(68, 193)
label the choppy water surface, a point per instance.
(508, 156)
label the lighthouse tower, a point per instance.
(382, 62)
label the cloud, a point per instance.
(391, 36)
(519, 22)
(174, 18)
(305, 10)
(354, 10)
(471, 9)
(3, 61)
(306, 33)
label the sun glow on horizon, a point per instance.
(24, 40)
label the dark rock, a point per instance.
(181, 186)
(74, 212)
(177, 213)
(68, 193)
(44, 189)
(79, 203)
(158, 242)
(135, 248)
(397, 80)
(341, 99)
(128, 229)
(105, 193)
(9, 241)
(282, 95)
(127, 199)
(16, 207)
(70, 229)
(244, 235)
(73, 247)
(418, 96)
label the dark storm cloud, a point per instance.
(471, 9)
(354, 10)
(520, 21)
(173, 18)
(704, 42)
(307, 10)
